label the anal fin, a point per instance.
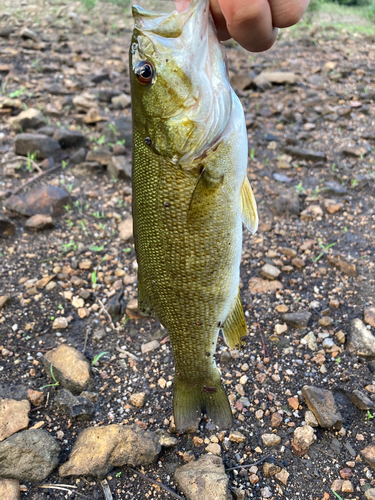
(249, 210)
(234, 327)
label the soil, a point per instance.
(330, 108)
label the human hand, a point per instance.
(253, 23)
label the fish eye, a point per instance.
(144, 71)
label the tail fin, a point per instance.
(191, 399)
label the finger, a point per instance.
(287, 12)
(249, 23)
(219, 20)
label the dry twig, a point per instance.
(38, 176)
(106, 490)
(157, 483)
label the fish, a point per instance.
(190, 197)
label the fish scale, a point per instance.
(188, 202)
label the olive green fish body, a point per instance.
(190, 195)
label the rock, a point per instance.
(361, 341)
(280, 329)
(287, 203)
(333, 187)
(121, 101)
(75, 407)
(7, 227)
(322, 403)
(139, 399)
(125, 229)
(298, 319)
(165, 439)
(39, 222)
(13, 417)
(282, 476)
(259, 285)
(9, 489)
(270, 469)
(310, 419)
(6, 31)
(78, 157)
(150, 346)
(36, 398)
(311, 212)
(46, 200)
(310, 340)
(368, 454)
(30, 118)
(239, 494)
(270, 272)
(99, 449)
(369, 316)
(241, 81)
(88, 168)
(271, 439)
(106, 95)
(347, 487)
(204, 478)
(69, 138)
(332, 206)
(70, 368)
(265, 79)
(337, 485)
(93, 116)
(361, 401)
(326, 321)
(305, 154)
(60, 323)
(213, 448)
(276, 420)
(236, 437)
(28, 33)
(4, 300)
(266, 492)
(42, 145)
(119, 168)
(100, 155)
(303, 437)
(370, 494)
(355, 151)
(341, 265)
(29, 456)
(101, 76)
(119, 130)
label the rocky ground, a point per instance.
(93, 418)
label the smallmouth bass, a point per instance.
(190, 196)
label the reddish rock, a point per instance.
(46, 200)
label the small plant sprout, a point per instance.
(299, 188)
(31, 157)
(93, 278)
(99, 215)
(337, 495)
(97, 357)
(354, 183)
(325, 249)
(124, 320)
(369, 416)
(252, 153)
(56, 382)
(94, 248)
(64, 164)
(316, 192)
(118, 474)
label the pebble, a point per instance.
(361, 401)
(310, 419)
(271, 439)
(150, 346)
(282, 476)
(298, 319)
(13, 417)
(270, 272)
(270, 469)
(343, 266)
(347, 487)
(326, 321)
(266, 492)
(368, 454)
(70, 368)
(304, 437)
(199, 479)
(138, 399)
(368, 316)
(110, 446)
(166, 440)
(29, 455)
(125, 229)
(360, 341)
(236, 437)
(280, 329)
(213, 448)
(36, 398)
(75, 407)
(276, 420)
(370, 494)
(9, 489)
(4, 299)
(322, 403)
(39, 222)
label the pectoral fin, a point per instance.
(144, 302)
(248, 207)
(234, 327)
(206, 185)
